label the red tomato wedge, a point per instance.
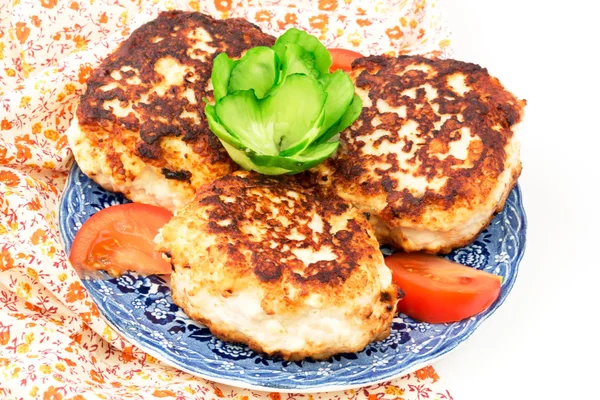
(119, 239)
(342, 59)
(438, 291)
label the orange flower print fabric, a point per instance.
(328, 5)
(54, 344)
(223, 5)
(49, 3)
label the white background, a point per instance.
(544, 342)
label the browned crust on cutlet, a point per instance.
(265, 260)
(160, 117)
(487, 109)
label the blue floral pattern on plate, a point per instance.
(142, 310)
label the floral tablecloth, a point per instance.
(54, 344)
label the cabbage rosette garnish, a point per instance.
(278, 110)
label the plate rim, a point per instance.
(326, 387)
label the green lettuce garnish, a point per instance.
(278, 110)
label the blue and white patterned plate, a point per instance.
(141, 309)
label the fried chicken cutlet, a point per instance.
(266, 262)
(433, 155)
(140, 128)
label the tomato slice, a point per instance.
(119, 239)
(438, 291)
(342, 59)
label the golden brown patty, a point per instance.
(140, 127)
(266, 262)
(433, 154)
